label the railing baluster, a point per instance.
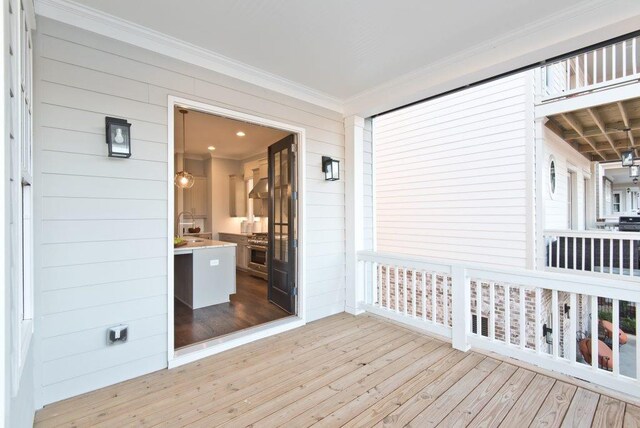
(523, 336)
(615, 336)
(379, 284)
(585, 67)
(558, 241)
(404, 291)
(549, 251)
(424, 296)
(621, 257)
(555, 321)
(592, 255)
(538, 324)
(573, 326)
(396, 280)
(492, 310)
(634, 60)
(575, 255)
(368, 292)
(568, 83)
(434, 281)
(604, 64)
(613, 62)
(601, 255)
(611, 256)
(445, 300)
(388, 280)
(582, 266)
(595, 66)
(594, 332)
(624, 58)
(413, 292)
(478, 307)
(631, 273)
(507, 314)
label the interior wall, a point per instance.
(102, 222)
(556, 205)
(219, 171)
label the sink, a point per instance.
(192, 239)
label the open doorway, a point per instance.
(235, 216)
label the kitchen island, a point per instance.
(204, 272)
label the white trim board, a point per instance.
(242, 337)
(108, 25)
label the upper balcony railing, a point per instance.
(591, 71)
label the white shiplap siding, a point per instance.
(101, 246)
(450, 175)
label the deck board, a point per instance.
(343, 371)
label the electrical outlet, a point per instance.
(118, 333)
(215, 262)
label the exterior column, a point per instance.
(354, 188)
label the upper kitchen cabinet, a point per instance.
(237, 196)
(195, 199)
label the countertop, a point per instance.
(201, 244)
(234, 233)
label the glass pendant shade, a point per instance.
(184, 180)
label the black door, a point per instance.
(282, 224)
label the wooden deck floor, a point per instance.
(343, 371)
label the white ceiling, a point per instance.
(341, 48)
(204, 130)
(618, 175)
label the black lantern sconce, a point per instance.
(118, 132)
(331, 168)
(547, 332)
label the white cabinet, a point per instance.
(242, 252)
(195, 199)
(237, 196)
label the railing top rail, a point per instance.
(617, 288)
(606, 234)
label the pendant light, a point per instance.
(183, 179)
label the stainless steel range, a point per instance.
(258, 244)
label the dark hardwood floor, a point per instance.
(248, 307)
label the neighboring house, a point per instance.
(467, 215)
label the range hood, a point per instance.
(260, 190)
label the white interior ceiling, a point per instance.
(341, 48)
(619, 175)
(204, 130)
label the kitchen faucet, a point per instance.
(179, 229)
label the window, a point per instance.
(20, 182)
(552, 176)
(617, 198)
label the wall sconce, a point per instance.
(331, 168)
(627, 158)
(548, 334)
(118, 132)
(634, 172)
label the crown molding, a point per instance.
(93, 20)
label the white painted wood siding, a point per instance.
(450, 175)
(367, 171)
(102, 222)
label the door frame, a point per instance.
(242, 337)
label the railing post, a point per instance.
(460, 308)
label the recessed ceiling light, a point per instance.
(240, 134)
(211, 148)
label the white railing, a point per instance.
(593, 70)
(597, 252)
(543, 318)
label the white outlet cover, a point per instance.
(215, 262)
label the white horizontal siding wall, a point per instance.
(367, 170)
(450, 175)
(101, 246)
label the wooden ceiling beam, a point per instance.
(578, 128)
(600, 124)
(610, 128)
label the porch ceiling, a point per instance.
(602, 132)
